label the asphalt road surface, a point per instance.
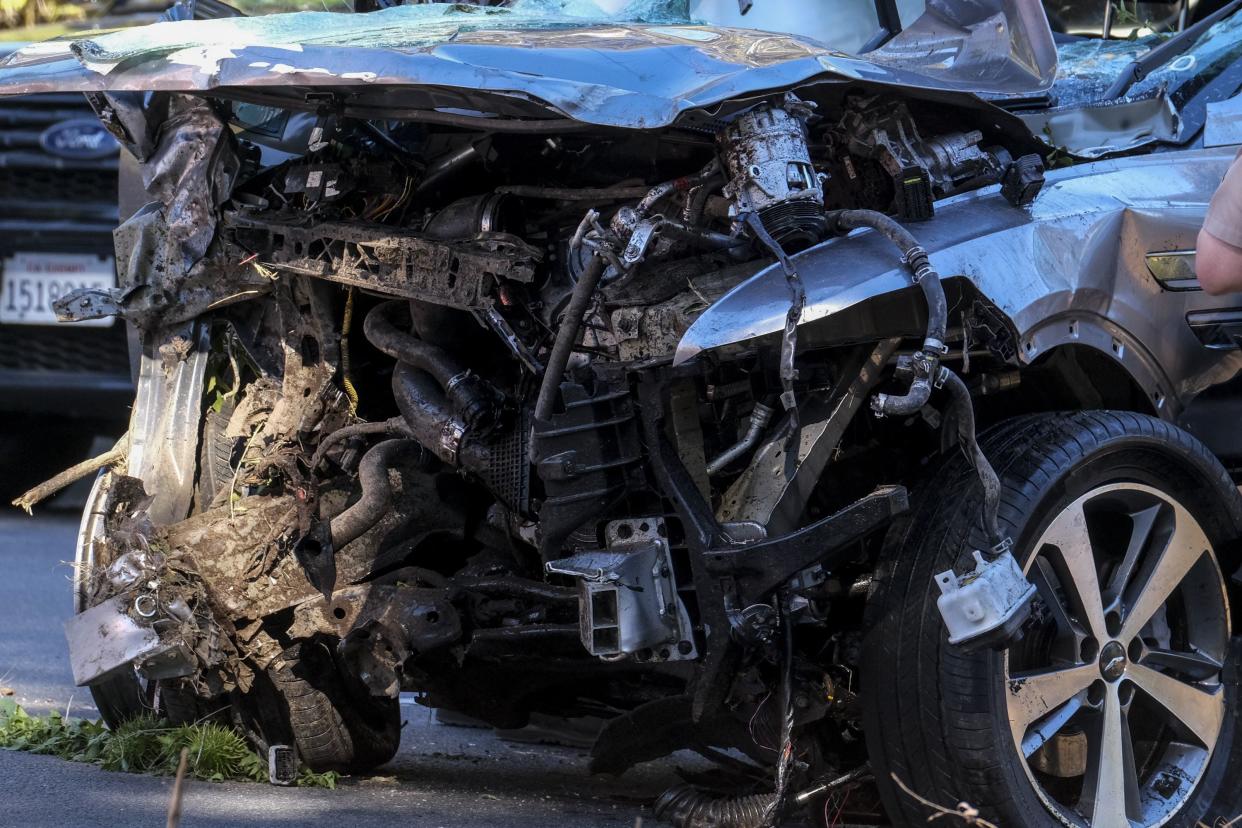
(444, 777)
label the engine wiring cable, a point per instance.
(797, 300)
(784, 762)
(963, 407)
(686, 806)
(351, 393)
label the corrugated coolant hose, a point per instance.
(688, 807)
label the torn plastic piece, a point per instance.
(87, 303)
(104, 639)
(987, 606)
(173, 660)
(282, 765)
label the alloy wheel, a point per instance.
(1114, 696)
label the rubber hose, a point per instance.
(471, 397)
(383, 333)
(916, 260)
(965, 409)
(396, 426)
(376, 497)
(685, 806)
(502, 587)
(661, 190)
(432, 422)
(567, 336)
(911, 402)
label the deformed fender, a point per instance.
(1070, 268)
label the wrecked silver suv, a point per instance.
(823, 410)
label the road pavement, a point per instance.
(444, 777)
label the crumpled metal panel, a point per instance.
(1224, 123)
(639, 68)
(191, 173)
(1069, 268)
(104, 639)
(1082, 124)
(189, 168)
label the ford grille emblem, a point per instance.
(79, 139)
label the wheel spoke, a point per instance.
(1068, 533)
(1195, 665)
(1033, 696)
(1042, 731)
(1183, 550)
(1044, 576)
(1199, 711)
(1110, 793)
(1143, 522)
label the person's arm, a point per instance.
(1218, 265)
(1218, 253)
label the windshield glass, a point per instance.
(848, 25)
(34, 20)
(1088, 67)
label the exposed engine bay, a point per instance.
(436, 426)
(547, 362)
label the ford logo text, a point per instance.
(79, 139)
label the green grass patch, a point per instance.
(143, 745)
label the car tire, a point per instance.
(938, 718)
(304, 699)
(215, 458)
(180, 705)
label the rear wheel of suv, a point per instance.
(1118, 705)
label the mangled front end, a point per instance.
(528, 413)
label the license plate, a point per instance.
(32, 281)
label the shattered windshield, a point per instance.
(404, 27)
(1089, 66)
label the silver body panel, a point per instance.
(1071, 268)
(639, 68)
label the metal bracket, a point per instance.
(628, 602)
(762, 567)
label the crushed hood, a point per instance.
(639, 68)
